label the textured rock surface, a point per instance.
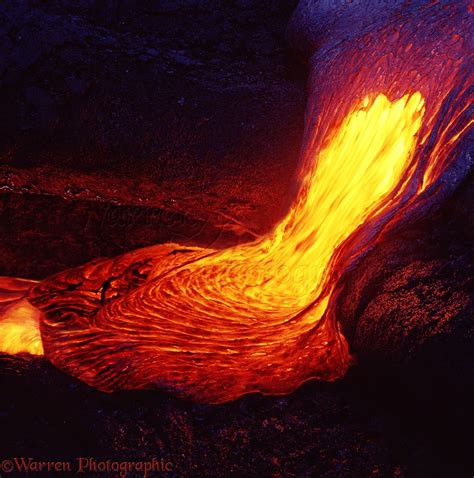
(409, 305)
(315, 24)
(359, 427)
(191, 107)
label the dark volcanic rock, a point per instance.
(188, 106)
(341, 430)
(409, 304)
(43, 234)
(315, 24)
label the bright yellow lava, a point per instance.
(350, 179)
(19, 329)
(212, 325)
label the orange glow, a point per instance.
(384, 140)
(19, 320)
(218, 324)
(19, 330)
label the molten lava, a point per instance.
(19, 320)
(212, 325)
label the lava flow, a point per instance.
(383, 131)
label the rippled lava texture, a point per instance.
(384, 139)
(390, 425)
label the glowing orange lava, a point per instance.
(19, 320)
(255, 315)
(212, 325)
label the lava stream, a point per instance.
(386, 121)
(217, 324)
